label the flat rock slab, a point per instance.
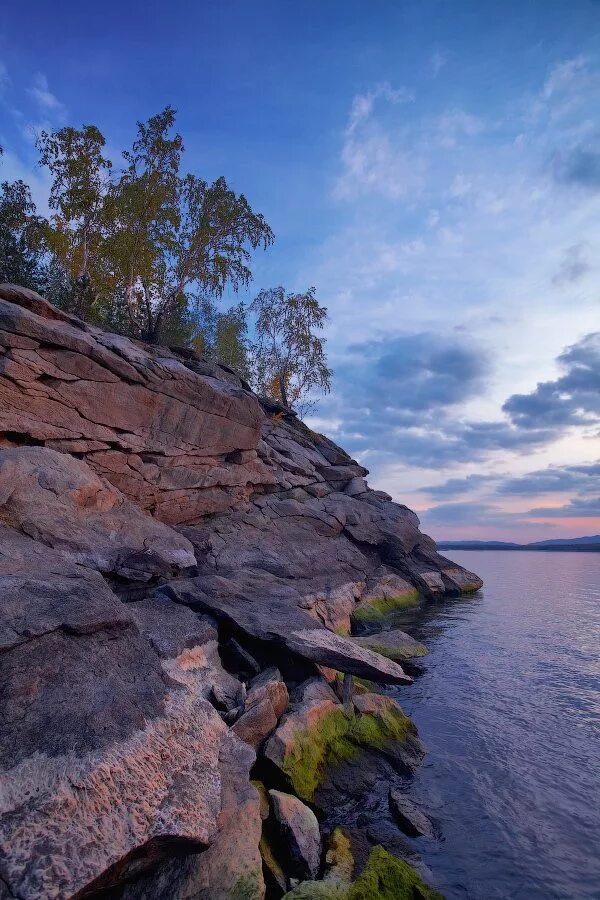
(395, 645)
(248, 605)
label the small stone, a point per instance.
(299, 829)
(256, 723)
(411, 820)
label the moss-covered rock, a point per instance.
(384, 878)
(339, 859)
(374, 610)
(318, 890)
(395, 644)
(248, 887)
(338, 735)
(387, 878)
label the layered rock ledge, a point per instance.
(178, 559)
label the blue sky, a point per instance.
(433, 168)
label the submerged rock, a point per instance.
(410, 818)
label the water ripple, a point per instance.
(509, 707)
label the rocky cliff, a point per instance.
(182, 568)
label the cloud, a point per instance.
(564, 76)
(579, 166)
(45, 99)
(421, 371)
(396, 396)
(455, 124)
(573, 266)
(455, 487)
(578, 508)
(362, 104)
(437, 61)
(554, 479)
(572, 399)
(476, 517)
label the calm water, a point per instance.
(509, 708)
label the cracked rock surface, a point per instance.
(175, 556)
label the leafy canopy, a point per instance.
(289, 356)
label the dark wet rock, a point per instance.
(409, 817)
(299, 833)
(239, 659)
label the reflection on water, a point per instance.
(509, 710)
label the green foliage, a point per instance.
(132, 251)
(172, 235)
(21, 236)
(223, 336)
(336, 737)
(289, 357)
(76, 233)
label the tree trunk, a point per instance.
(282, 390)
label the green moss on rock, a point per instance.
(397, 654)
(318, 890)
(377, 610)
(384, 878)
(387, 878)
(248, 887)
(339, 859)
(338, 736)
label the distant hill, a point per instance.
(591, 543)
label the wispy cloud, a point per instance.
(44, 98)
(437, 61)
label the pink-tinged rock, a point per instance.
(61, 502)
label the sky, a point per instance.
(432, 167)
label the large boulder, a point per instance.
(59, 501)
(250, 604)
(319, 734)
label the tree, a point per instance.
(21, 236)
(289, 358)
(223, 336)
(143, 211)
(175, 236)
(79, 183)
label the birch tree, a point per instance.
(80, 175)
(289, 356)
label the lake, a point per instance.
(508, 708)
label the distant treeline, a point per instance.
(547, 548)
(147, 250)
